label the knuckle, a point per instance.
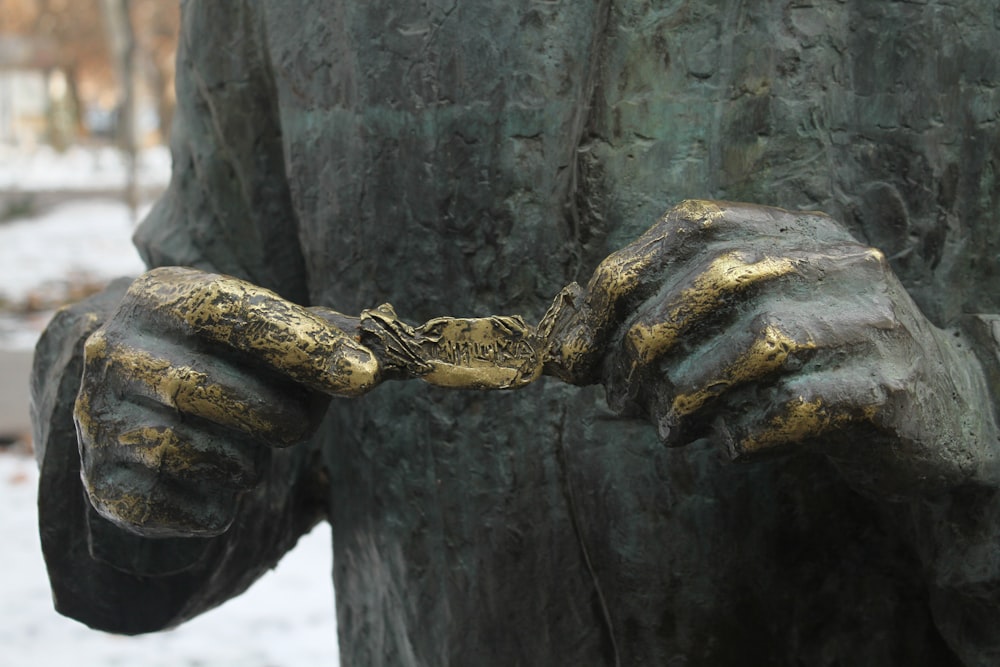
(225, 395)
(644, 341)
(736, 270)
(613, 277)
(695, 213)
(878, 258)
(746, 221)
(865, 261)
(95, 348)
(774, 335)
(869, 279)
(190, 457)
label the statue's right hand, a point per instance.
(188, 386)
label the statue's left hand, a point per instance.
(769, 330)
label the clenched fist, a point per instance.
(188, 386)
(768, 329)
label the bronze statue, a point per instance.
(743, 435)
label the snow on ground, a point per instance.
(90, 238)
(78, 168)
(285, 620)
(84, 241)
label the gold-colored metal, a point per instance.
(312, 347)
(800, 421)
(767, 354)
(127, 508)
(702, 211)
(726, 275)
(576, 314)
(189, 345)
(498, 352)
(160, 448)
(84, 417)
(344, 356)
(288, 338)
(468, 353)
(186, 389)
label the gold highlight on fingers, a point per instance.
(157, 512)
(767, 354)
(191, 391)
(160, 448)
(620, 273)
(705, 213)
(257, 322)
(84, 418)
(801, 420)
(727, 274)
(129, 510)
(578, 320)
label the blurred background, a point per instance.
(86, 104)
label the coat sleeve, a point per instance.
(227, 209)
(957, 534)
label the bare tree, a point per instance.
(156, 25)
(74, 31)
(79, 33)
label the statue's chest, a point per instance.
(424, 63)
(439, 135)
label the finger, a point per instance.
(579, 320)
(210, 459)
(736, 378)
(867, 414)
(700, 295)
(152, 505)
(346, 323)
(806, 410)
(768, 352)
(790, 328)
(736, 222)
(257, 324)
(625, 271)
(795, 337)
(207, 389)
(578, 323)
(152, 436)
(717, 288)
(686, 231)
(161, 480)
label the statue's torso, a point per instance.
(471, 158)
(432, 148)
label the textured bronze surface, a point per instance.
(495, 352)
(475, 158)
(240, 315)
